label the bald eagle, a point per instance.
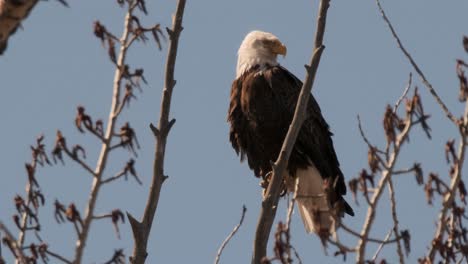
(263, 99)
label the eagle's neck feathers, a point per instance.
(248, 58)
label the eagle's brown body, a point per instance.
(263, 100)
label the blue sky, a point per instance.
(56, 63)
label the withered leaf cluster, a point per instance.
(461, 74)
(117, 258)
(58, 147)
(138, 32)
(415, 108)
(59, 211)
(434, 184)
(405, 235)
(26, 217)
(418, 173)
(455, 243)
(282, 247)
(31, 221)
(38, 152)
(373, 159)
(452, 248)
(462, 79)
(105, 36)
(38, 252)
(130, 169)
(71, 213)
(116, 215)
(128, 138)
(133, 78)
(361, 184)
(390, 122)
(83, 119)
(27, 209)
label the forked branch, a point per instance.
(141, 230)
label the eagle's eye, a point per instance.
(268, 43)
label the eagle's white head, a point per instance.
(258, 48)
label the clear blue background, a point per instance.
(56, 63)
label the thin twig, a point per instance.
(369, 144)
(228, 238)
(416, 67)
(79, 161)
(113, 178)
(395, 219)
(403, 171)
(369, 239)
(141, 230)
(289, 217)
(25, 214)
(387, 237)
(59, 257)
(390, 185)
(299, 260)
(270, 202)
(405, 92)
(291, 204)
(117, 112)
(340, 246)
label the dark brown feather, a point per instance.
(262, 106)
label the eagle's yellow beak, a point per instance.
(279, 48)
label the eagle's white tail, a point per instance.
(312, 202)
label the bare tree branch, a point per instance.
(387, 237)
(229, 237)
(270, 202)
(291, 204)
(343, 248)
(288, 222)
(405, 92)
(141, 230)
(386, 175)
(105, 148)
(449, 196)
(18, 251)
(461, 124)
(12, 13)
(57, 256)
(369, 239)
(25, 215)
(416, 67)
(395, 219)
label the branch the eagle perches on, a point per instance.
(270, 202)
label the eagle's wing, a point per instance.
(315, 139)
